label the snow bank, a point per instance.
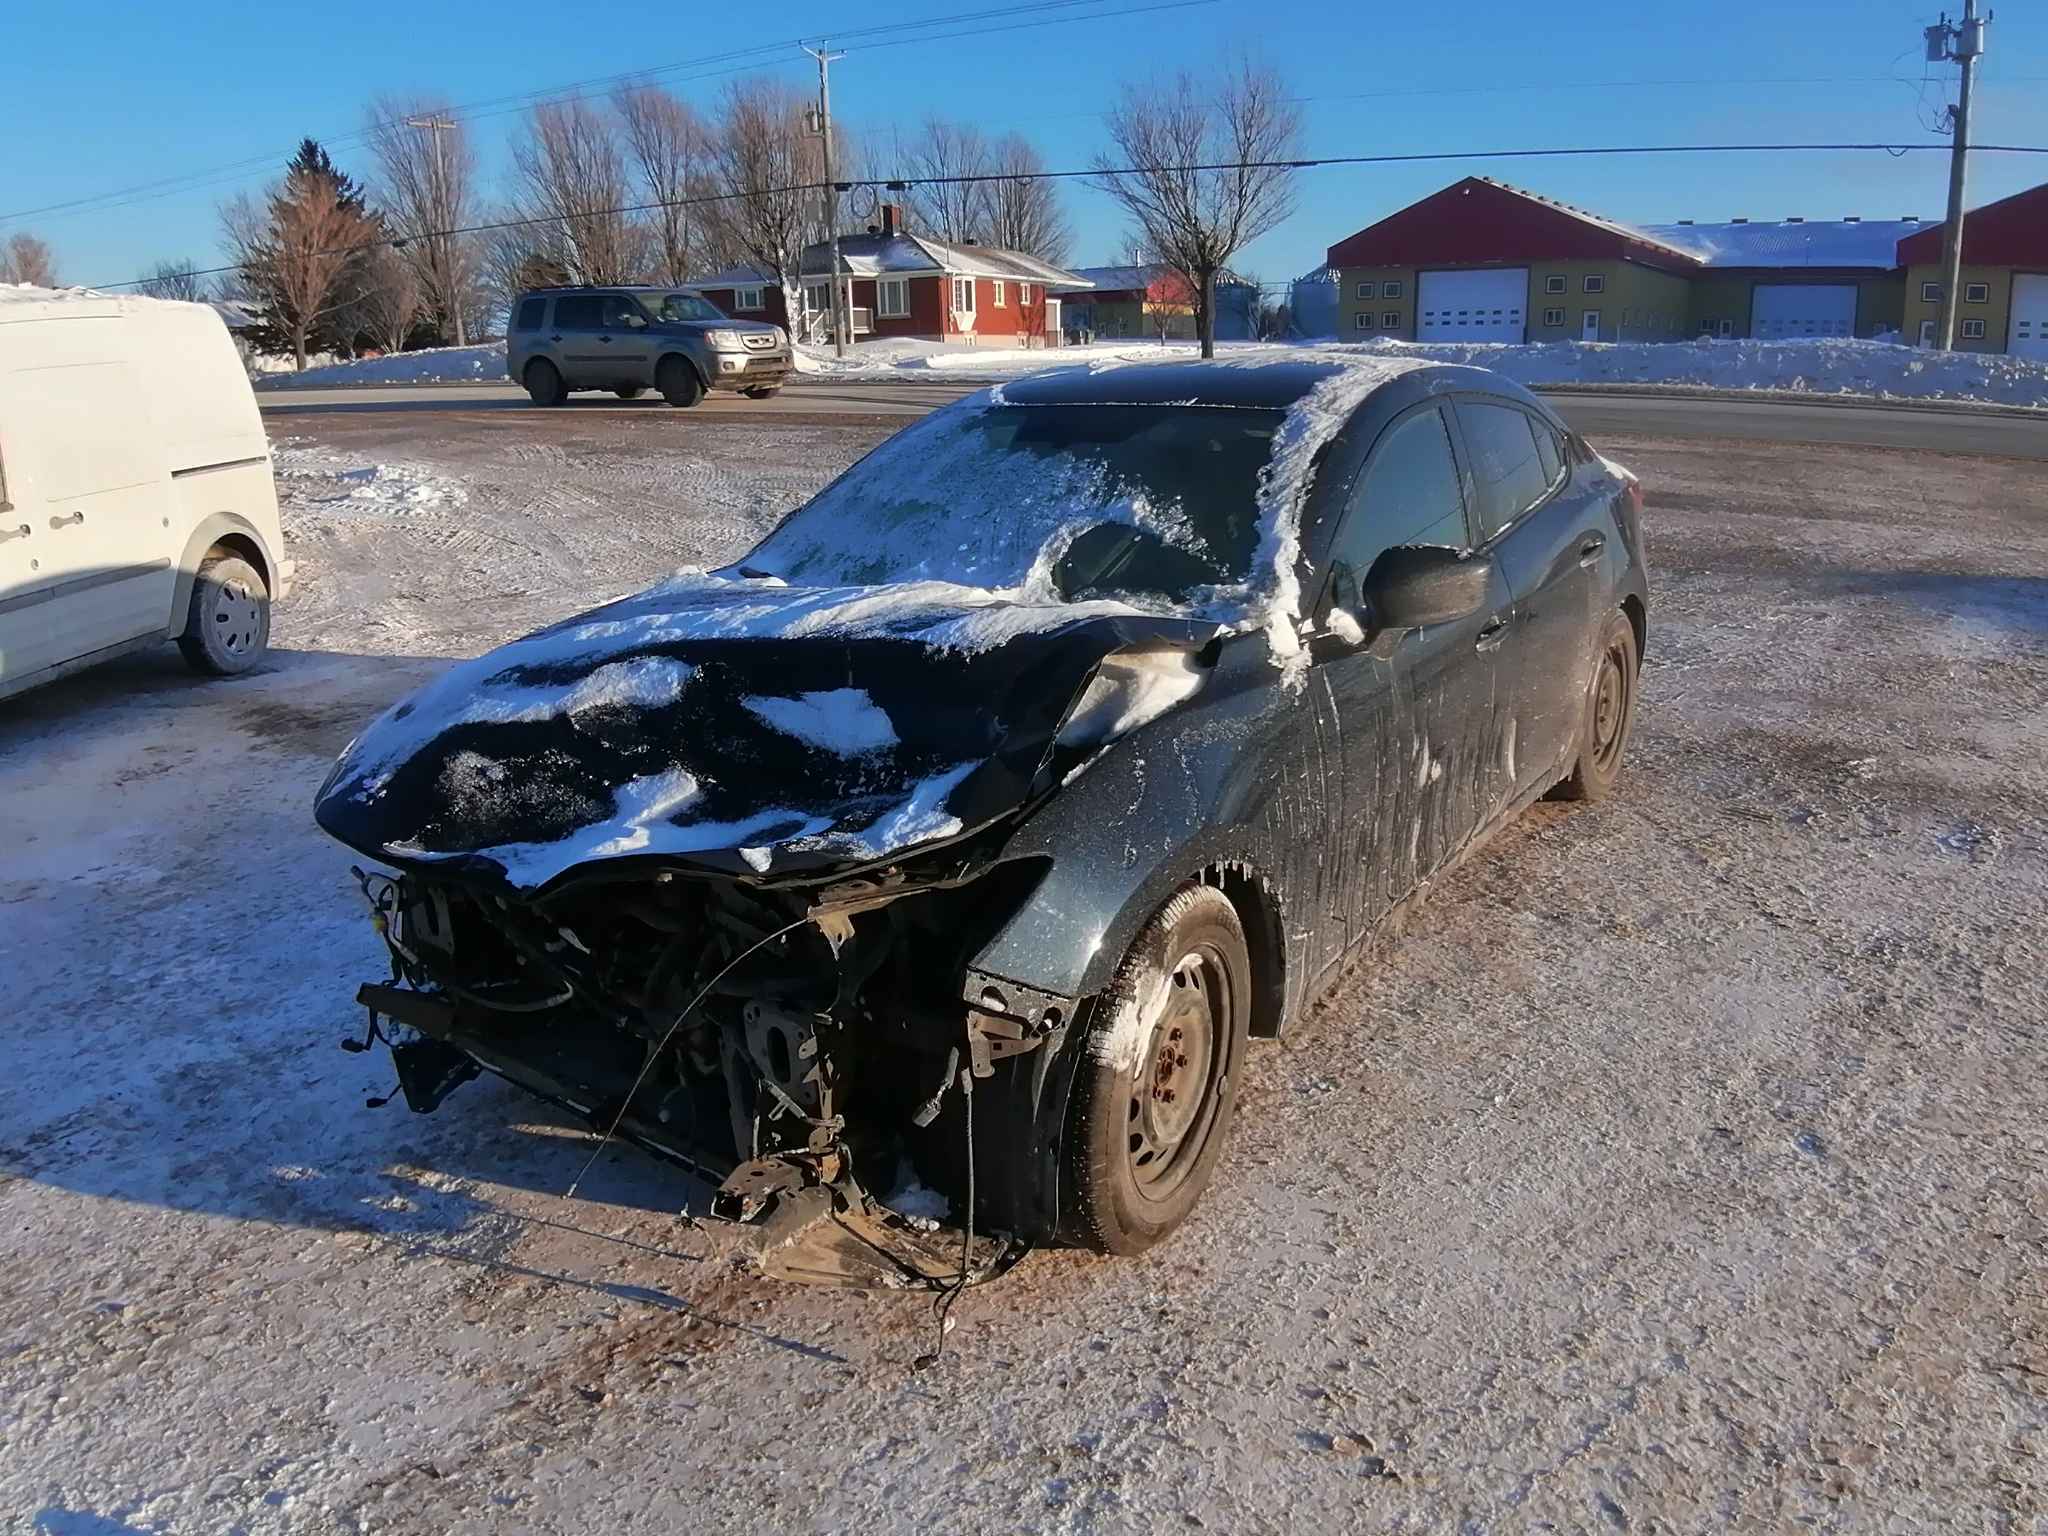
(434, 365)
(315, 478)
(1820, 366)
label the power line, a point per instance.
(705, 67)
(898, 184)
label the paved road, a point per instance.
(1595, 414)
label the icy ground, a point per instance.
(1683, 1169)
(1882, 370)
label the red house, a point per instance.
(914, 286)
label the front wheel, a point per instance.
(1610, 714)
(678, 382)
(227, 625)
(1157, 1081)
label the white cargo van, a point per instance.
(136, 502)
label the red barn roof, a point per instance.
(1480, 220)
(2012, 232)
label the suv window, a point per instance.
(1408, 494)
(581, 313)
(1549, 449)
(1508, 477)
(619, 310)
(532, 315)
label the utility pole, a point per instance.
(842, 306)
(438, 126)
(1964, 44)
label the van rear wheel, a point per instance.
(227, 625)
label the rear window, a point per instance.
(532, 314)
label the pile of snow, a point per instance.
(432, 365)
(314, 478)
(1820, 366)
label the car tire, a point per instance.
(227, 623)
(1610, 714)
(634, 393)
(764, 392)
(678, 383)
(543, 381)
(1156, 1083)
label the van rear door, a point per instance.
(86, 477)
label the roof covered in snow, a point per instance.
(886, 255)
(730, 277)
(1780, 243)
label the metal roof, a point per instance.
(1786, 243)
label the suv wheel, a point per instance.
(544, 383)
(678, 382)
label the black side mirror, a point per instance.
(1416, 584)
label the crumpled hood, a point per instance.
(738, 725)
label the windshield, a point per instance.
(1067, 501)
(680, 306)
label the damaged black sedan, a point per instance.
(963, 833)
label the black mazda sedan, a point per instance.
(924, 875)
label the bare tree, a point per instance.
(942, 203)
(572, 176)
(1024, 212)
(1198, 219)
(174, 280)
(387, 299)
(765, 165)
(26, 259)
(669, 145)
(297, 248)
(426, 187)
(515, 258)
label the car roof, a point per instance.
(1274, 385)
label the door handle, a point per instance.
(21, 532)
(1491, 634)
(1589, 552)
(61, 522)
(555, 338)
(606, 340)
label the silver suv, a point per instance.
(626, 338)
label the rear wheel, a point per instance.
(1155, 1088)
(678, 382)
(1610, 714)
(633, 392)
(227, 625)
(543, 383)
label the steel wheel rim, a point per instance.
(237, 617)
(1610, 706)
(1173, 1090)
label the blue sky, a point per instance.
(152, 91)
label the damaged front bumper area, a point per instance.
(812, 1047)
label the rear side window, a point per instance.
(1408, 494)
(583, 313)
(532, 313)
(1507, 475)
(1549, 450)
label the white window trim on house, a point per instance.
(1367, 291)
(1024, 295)
(892, 298)
(963, 285)
(1596, 282)
(1362, 321)
(1391, 288)
(1976, 293)
(1930, 293)
(1553, 317)
(1973, 330)
(1554, 283)
(1001, 293)
(1390, 320)
(1926, 333)
(741, 301)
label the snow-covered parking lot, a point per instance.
(1685, 1167)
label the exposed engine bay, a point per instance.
(810, 1048)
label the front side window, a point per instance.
(748, 298)
(1144, 501)
(1507, 475)
(582, 312)
(1408, 494)
(532, 314)
(893, 298)
(680, 306)
(620, 312)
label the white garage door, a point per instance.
(2029, 316)
(1803, 309)
(1472, 306)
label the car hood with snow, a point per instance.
(841, 727)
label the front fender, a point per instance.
(1233, 783)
